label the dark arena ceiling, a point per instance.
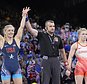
(64, 9)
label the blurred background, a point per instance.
(62, 11)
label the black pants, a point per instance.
(51, 70)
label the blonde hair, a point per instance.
(81, 29)
(7, 26)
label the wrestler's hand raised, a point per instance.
(25, 11)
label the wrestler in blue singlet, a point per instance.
(10, 64)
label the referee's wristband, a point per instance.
(27, 18)
(66, 63)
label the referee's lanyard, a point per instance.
(52, 41)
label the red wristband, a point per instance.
(66, 63)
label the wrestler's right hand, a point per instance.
(25, 11)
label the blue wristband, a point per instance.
(27, 18)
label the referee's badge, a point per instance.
(55, 39)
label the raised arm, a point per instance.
(34, 32)
(22, 24)
(1, 37)
(1, 41)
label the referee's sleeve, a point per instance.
(40, 34)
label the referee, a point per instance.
(50, 45)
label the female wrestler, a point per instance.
(9, 45)
(80, 50)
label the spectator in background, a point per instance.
(73, 35)
(32, 72)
